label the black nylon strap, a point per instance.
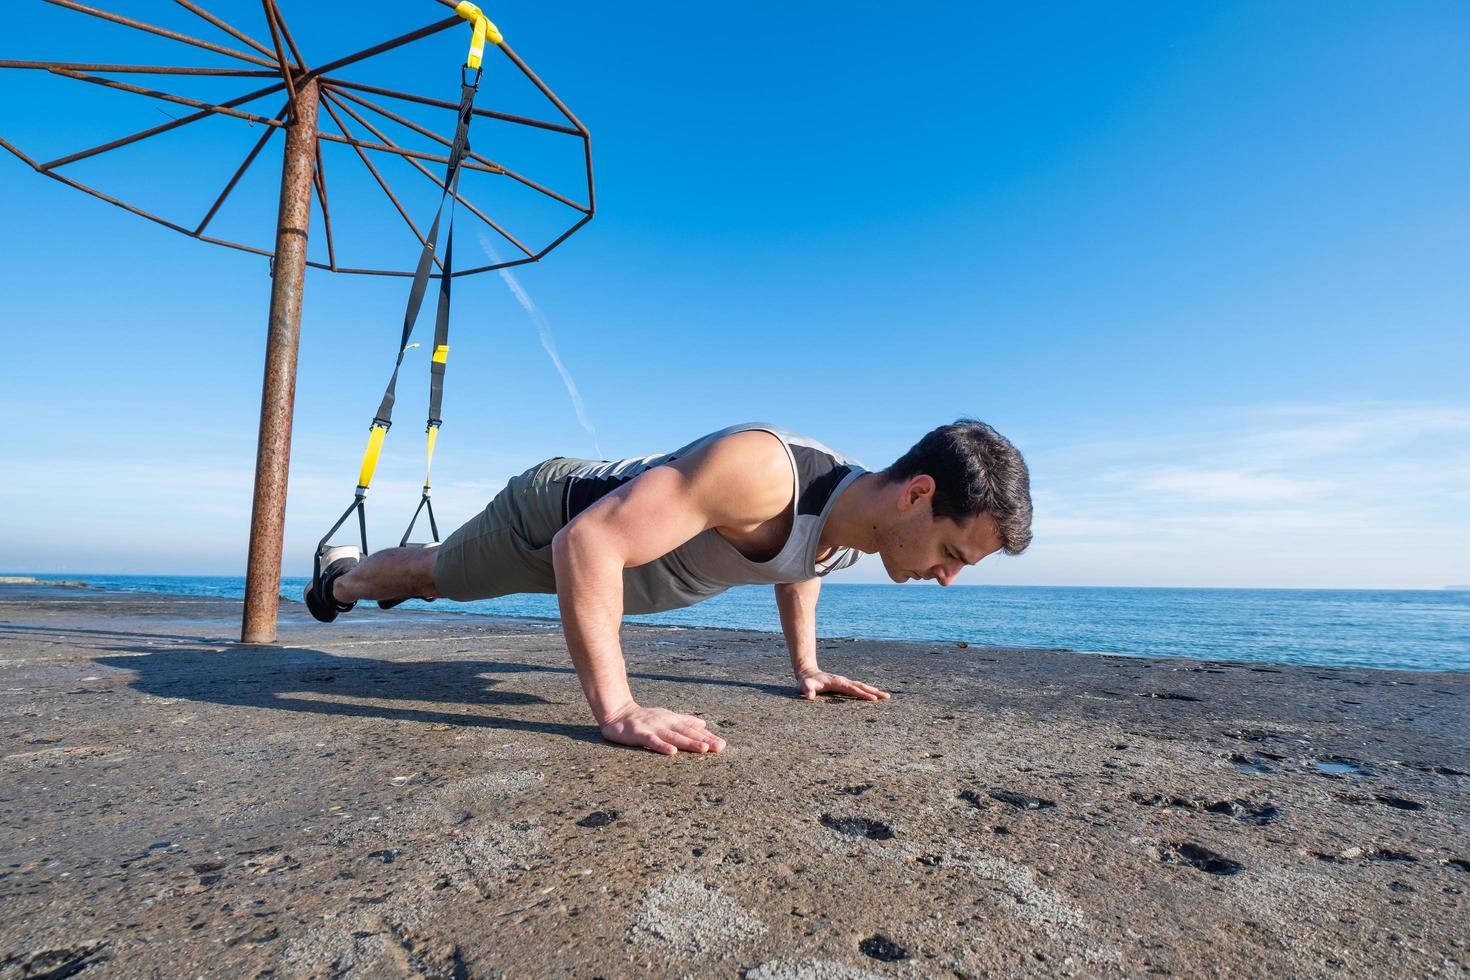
(441, 331)
(457, 153)
(446, 281)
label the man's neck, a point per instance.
(851, 523)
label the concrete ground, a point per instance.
(417, 794)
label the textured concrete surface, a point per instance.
(414, 794)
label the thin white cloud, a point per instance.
(1348, 495)
(1209, 484)
(1295, 432)
(143, 524)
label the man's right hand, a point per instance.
(660, 730)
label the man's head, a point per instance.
(960, 494)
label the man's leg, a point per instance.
(503, 550)
(389, 574)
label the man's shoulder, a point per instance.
(778, 458)
(741, 476)
(790, 439)
(754, 454)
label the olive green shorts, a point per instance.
(506, 548)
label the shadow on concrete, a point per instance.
(24, 631)
(319, 683)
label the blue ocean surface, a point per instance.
(1403, 630)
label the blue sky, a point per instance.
(1205, 264)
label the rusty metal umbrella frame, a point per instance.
(283, 62)
(303, 177)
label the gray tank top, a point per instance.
(707, 564)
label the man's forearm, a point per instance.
(589, 590)
(797, 604)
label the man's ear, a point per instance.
(916, 490)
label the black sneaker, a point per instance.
(332, 563)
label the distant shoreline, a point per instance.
(32, 580)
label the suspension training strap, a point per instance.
(437, 362)
(383, 419)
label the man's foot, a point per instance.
(334, 563)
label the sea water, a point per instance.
(1404, 630)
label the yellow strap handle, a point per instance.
(370, 457)
(433, 435)
(441, 353)
(483, 29)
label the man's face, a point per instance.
(915, 545)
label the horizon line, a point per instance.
(75, 576)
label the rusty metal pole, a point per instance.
(278, 392)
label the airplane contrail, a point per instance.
(548, 342)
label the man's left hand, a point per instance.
(814, 682)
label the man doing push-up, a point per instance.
(748, 504)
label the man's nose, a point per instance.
(945, 575)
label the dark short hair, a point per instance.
(976, 471)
